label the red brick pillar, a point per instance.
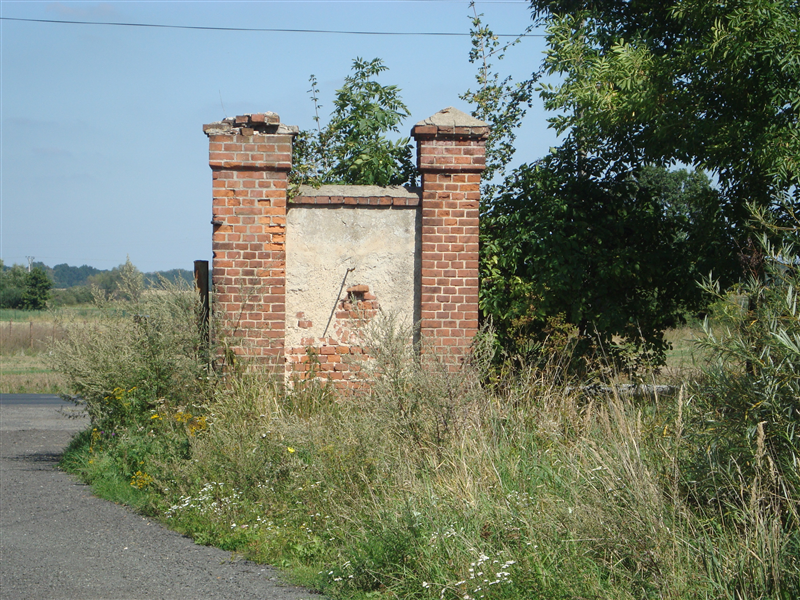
(250, 157)
(451, 154)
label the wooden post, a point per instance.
(201, 285)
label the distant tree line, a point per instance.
(65, 285)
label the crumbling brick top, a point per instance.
(360, 195)
(451, 122)
(266, 122)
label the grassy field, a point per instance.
(27, 374)
(25, 338)
(685, 357)
(433, 486)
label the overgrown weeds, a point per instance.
(142, 350)
(428, 483)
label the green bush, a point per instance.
(748, 398)
(144, 349)
(11, 297)
(744, 442)
(79, 294)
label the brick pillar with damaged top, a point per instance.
(451, 155)
(250, 157)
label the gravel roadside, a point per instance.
(58, 541)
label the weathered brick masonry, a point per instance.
(451, 155)
(250, 157)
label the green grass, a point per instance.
(100, 471)
(23, 373)
(429, 484)
(536, 492)
(14, 314)
(79, 311)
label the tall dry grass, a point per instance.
(425, 483)
(22, 345)
(432, 484)
(28, 337)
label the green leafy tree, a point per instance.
(36, 292)
(711, 84)
(613, 257)
(579, 247)
(353, 148)
(497, 101)
(65, 276)
(12, 285)
(706, 225)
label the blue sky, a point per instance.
(103, 153)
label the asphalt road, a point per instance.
(58, 541)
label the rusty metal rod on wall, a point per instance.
(333, 310)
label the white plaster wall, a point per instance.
(323, 242)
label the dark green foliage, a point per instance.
(600, 240)
(708, 239)
(22, 289)
(10, 296)
(602, 255)
(749, 399)
(174, 276)
(79, 294)
(712, 84)
(352, 148)
(12, 285)
(65, 276)
(37, 290)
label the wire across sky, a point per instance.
(265, 29)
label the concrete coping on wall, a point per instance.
(357, 195)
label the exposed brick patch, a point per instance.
(338, 358)
(302, 322)
(340, 365)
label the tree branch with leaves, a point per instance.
(353, 147)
